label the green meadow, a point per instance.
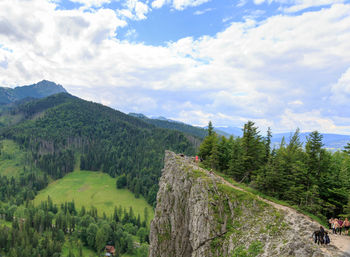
(91, 188)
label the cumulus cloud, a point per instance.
(91, 3)
(292, 6)
(178, 4)
(278, 72)
(340, 91)
(135, 10)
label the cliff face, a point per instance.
(198, 215)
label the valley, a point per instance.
(77, 177)
(91, 188)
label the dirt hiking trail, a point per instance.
(302, 224)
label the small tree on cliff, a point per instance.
(207, 145)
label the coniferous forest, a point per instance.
(58, 133)
(61, 131)
(308, 177)
(60, 128)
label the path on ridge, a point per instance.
(296, 218)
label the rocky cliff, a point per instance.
(199, 215)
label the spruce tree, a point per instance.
(253, 150)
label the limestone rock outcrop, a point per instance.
(199, 215)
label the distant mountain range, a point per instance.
(331, 141)
(39, 90)
(162, 122)
(46, 88)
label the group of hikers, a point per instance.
(337, 225)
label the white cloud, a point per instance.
(159, 3)
(310, 121)
(178, 4)
(341, 90)
(299, 5)
(91, 3)
(200, 12)
(135, 10)
(278, 72)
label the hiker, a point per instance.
(327, 240)
(335, 226)
(319, 236)
(346, 225)
(340, 227)
(330, 221)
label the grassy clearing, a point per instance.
(12, 158)
(97, 189)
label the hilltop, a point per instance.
(41, 89)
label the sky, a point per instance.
(283, 64)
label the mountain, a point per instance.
(61, 129)
(238, 132)
(161, 122)
(39, 90)
(200, 214)
(330, 141)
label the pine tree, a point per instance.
(347, 149)
(206, 148)
(252, 150)
(268, 145)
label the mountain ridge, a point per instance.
(41, 89)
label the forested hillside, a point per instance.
(43, 140)
(58, 127)
(308, 176)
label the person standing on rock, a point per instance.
(346, 226)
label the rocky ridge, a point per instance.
(201, 215)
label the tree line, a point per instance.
(307, 176)
(60, 129)
(42, 230)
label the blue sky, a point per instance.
(281, 63)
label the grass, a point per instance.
(272, 199)
(12, 158)
(97, 189)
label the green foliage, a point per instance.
(254, 250)
(311, 179)
(105, 140)
(97, 189)
(49, 230)
(13, 159)
(121, 181)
